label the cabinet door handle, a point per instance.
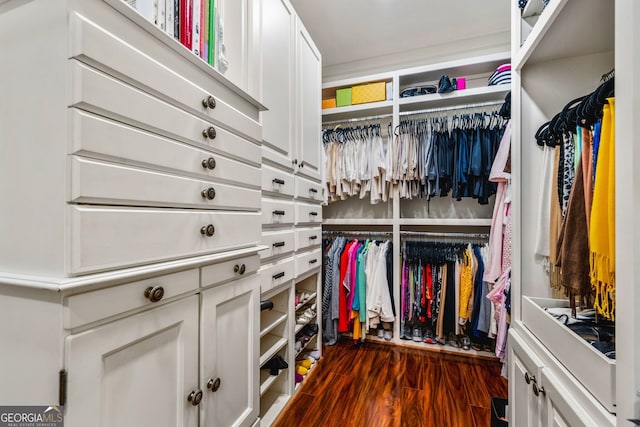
(195, 397)
(209, 102)
(209, 132)
(529, 379)
(278, 212)
(208, 230)
(278, 244)
(313, 190)
(314, 237)
(209, 163)
(278, 181)
(538, 390)
(154, 293)
(213, 384)
(239, 269)
(302, 164)
(209, 193)
(313, 261)
(279, 275)
(314, 213)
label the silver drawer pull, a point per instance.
(195, 397)
(209, 132)
(154, 293)
(538, 390)
(240, 269)
(209, 163)
(279, 275)
(209, 102)
(213, 385)
(278, 181)
(278, 244)
(208, 230)
(209, 193)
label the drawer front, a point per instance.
(277, 242)
(308, 214)
(88, 307)
(308, 261)
(276, 274)
(94, 181)
(96, 45)
(308, 237)
(97, 92)
(306, 189)
(277, 212)
(276, 181)
(233, 269)
(96, 136)
(104, 238)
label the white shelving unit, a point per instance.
(397, 215)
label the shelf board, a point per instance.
(357, 221)
(560, 32)
(269, 345)
(271, 404)
(311, 298)
(304, 347)
(356, 111)
(455, 98)
(461, 222)
(267, 380)
(532, 9)
(299, 326)
(269, 320)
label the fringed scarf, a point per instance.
(602, 224)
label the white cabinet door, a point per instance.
(229, 353)
(309, 98)
(278, 71)
(524, 405)
(562, 410)
(233, 40)
(135, 371)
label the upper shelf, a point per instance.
(568, 28)
(359, 110)
(455, 98)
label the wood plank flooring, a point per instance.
(377, 385)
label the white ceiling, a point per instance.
(348, 31)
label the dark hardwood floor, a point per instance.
(377, 385)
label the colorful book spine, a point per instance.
(195, 32)
(169, 21)
(161, 18)
(212, 33)
(176, 19)
(204, 39)
(186, 23)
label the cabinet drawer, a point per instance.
(307, 261)
(306, 189)
(276, 274)
(277, 242)
(88, 307)
(99, 182)
(276, 181)
(306, 213)
(96, 136)
(232, 269)
(277, 212)
(96, 45)
(104, 238)
(307, 237)
(95, 91)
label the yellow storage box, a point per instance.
(371, 92)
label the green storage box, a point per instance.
(343, 97)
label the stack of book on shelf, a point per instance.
(192, 22)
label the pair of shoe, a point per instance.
(310, 330)
(446, 85)
(306, 316)
(385, 334)
(275, 364)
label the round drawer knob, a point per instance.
(208, 230)
(209, 132)
(538, 390)
(209, 193)
(154, 293)
(528, 378)
(240, 269)
(209, 163)
(213, 385)
(209, 102)
(195, 397)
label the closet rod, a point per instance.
(457, 107)
(357, 119)
(357, 233)
(441, 234)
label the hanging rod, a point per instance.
(457, 107)
(357, 233)
(447, 235)
(358, 119)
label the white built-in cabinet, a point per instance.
(129, 257)
(290, 79)
(559, 53)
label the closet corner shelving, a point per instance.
(398, 215)
(560, 52)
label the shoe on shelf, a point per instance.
(299, 378)
(266, 305)
(275, 364)
(380, 333)
(315, 354)
(387, 334)
(310, 329)
(298, 345)
(304, 362)
(301, 370)
(417, 334)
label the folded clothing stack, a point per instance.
(501, 76)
